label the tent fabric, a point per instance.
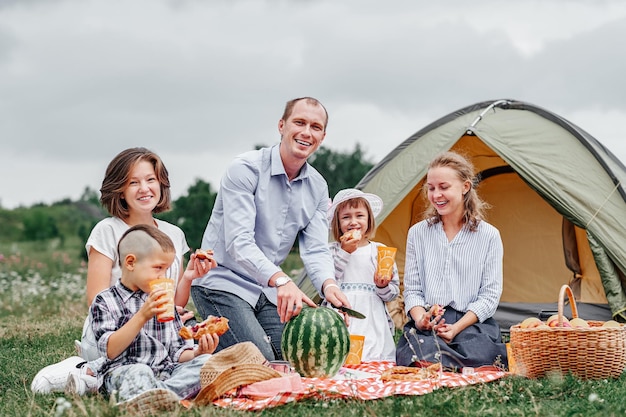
(557, 196)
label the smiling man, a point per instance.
(267, 199)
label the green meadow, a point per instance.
(42, 308)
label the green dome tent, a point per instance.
(557, 196)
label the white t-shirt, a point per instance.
(107, 233)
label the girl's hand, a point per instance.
(381, 282)
(350, 244)
(447, 332)
(197, 268)
(206, 344)
(431, 319)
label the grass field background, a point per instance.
(42, 308)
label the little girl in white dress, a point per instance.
(351, 219)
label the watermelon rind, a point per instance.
(316, 342)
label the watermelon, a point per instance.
(316, 342)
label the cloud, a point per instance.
(200, 82)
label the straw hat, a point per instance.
(375, 202)
(237, 365)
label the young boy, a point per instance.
(148, 365)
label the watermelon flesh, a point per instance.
(316, 342)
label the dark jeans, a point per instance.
(259, 324)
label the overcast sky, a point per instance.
(202, 81)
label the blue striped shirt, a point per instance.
(257, 217)
(465, 274)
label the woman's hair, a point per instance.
(309, 100)
(116, 180)
(354, 203)
(474, 206)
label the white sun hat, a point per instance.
(375, 202)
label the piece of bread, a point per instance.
(204, 254)
(351, 234)
(212, 325)
(437, 310)
(406, 373)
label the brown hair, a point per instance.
(473, 204)
(141, 240)
(354, 203)
(309, 100)
(116, 180)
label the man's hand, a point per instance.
(289, 301)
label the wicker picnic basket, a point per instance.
(595, 352)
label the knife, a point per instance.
(351, 313)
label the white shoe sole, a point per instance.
(149, 402)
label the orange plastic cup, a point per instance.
(356, 349)
(386, 258)
(511, 359)
(168, 299)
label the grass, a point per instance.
(42, 309)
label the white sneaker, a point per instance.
(80, 383)
(149, 402)
(53, 378)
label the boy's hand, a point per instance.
(206, 344)
(153, 305)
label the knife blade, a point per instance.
(351, 313)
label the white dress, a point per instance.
(358, 286)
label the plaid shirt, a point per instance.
(157, 345)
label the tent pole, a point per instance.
(470, 128)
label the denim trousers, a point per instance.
(477, 345)
(132, 380)
(259, 324)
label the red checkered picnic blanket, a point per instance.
(363, 389)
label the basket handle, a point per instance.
(566, 289)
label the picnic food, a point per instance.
(212, 325)
(386, 258)
(437, 310)
(204, 254)
(530, 322)
(410, 373)
(577, 322)
(553, 321)
(316, 342)
(351, 234)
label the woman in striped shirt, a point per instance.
(452, 275)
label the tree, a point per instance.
(341, 170)
(90, 196)
(191, 212)
(39, 225)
